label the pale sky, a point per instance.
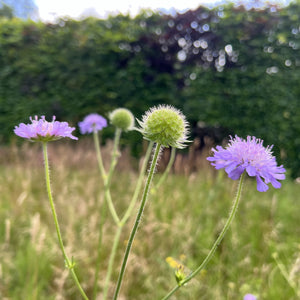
(51, 9)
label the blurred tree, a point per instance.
(230, 69)
(6, 11)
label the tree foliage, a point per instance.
(6, 11)
(227, 67)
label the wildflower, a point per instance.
(92, 122)
(122, 118)
(249, 297)
(179, 274)
(43, 131)
(252, 156)
(165, 125)
(179, 269)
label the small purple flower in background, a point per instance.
(252, 156)
(249, 297)
(44, 131)
(92, 122)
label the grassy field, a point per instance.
(181, 220)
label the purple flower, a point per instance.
(92, 122)
(252, 156)
(43, 131)
(249, 297)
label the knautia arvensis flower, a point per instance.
(92, 122)
(165, 125)
(44, 131)
(122, 118)
(249, 297)
(251, 156)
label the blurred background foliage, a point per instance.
(231, 70)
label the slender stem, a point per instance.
(99, 156)
(124, 219)
(98, 259)
(168, 168)
(69, 263)
(115, 154)
(138, 185)
(102, 216)
(111, 206)
(217, 242)
(107, 178)
(138, 219)
(111, 262)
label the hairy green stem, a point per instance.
(138, 219)
(124, 219)
(69, 263)
(217, 242)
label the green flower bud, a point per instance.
(165, 125)
(122, 118)
(179, 274)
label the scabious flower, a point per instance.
(92, 122)
(252, 156)
(249, 297)
(122, 118)
(44, 131)
(165, 125)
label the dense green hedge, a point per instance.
(227, 67)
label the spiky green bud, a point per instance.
(122, 118)
(165, 125)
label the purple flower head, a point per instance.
(249, 297)
(43, 131)
(252, 156)
(92, 122)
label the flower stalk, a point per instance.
(108, 199)
(108, 176)
(98, 259)
(114, 159)
(216, 243)
(137, 220)
(125, 218)
(69, 263)
(98, 154)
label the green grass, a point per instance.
(182, 219)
